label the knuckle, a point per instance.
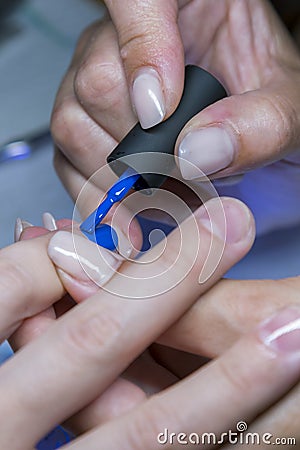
(145, 426)
(92, 334)
(147, 46)
(62, 122)
(97, 85)
(178, 259)
(238, 380)
(68, 127)
(286, 120)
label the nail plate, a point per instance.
(20, 226)
(106, 236)
(49, 221)
(281, 332)
(82, 259)
(206, 150)
(148, 97)
(125, 247)
(229, 219)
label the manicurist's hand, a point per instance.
(131, 66)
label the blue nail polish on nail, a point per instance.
(104, 235)
(107, 237)
(115, 194)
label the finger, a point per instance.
(110, 329)
(37, 324)
(281, 420)
(75, 132)
(29, 282)
(152, 53)
(236, 385)
(144, 377)
(100, 84)
(243, 131)
(227, 311)
(259, 123)
(88, 195)
(118, 399)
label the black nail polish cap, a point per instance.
(201, 89)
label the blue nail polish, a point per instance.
(106, 236)
(103, 235)
(115, 194)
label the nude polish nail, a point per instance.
(20, 226)
(206, 150)
(49, 221)
(148, 97)
(81, 259)
(281, 333)
(229, 219)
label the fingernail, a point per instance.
(106, 236)
(227, 218)
(148, 97)
(20, 226)
(111, 238)
(125, 247)
(82, 259)
(207, 150)
(281, 332)
(49, 222)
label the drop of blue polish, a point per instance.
(103, 234)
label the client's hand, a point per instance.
(79, 356)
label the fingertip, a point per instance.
(152, 52)
(148, 98)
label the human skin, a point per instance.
(248, 49)
(92, 336)
(243, 43)
(230, 316)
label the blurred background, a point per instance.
(37, 39)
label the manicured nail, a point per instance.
(82, 259)
(227, 218)
(125, 247)
(106, 236)
(49, 222)
(20, 226)
(148, 97)
(282, 331)
(207, 150)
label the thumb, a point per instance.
(152, 53)
(242, 132)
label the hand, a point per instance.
(220, 318)
(213, 399)
(257, 125)
(91, 338)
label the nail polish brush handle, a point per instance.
(201, 89)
